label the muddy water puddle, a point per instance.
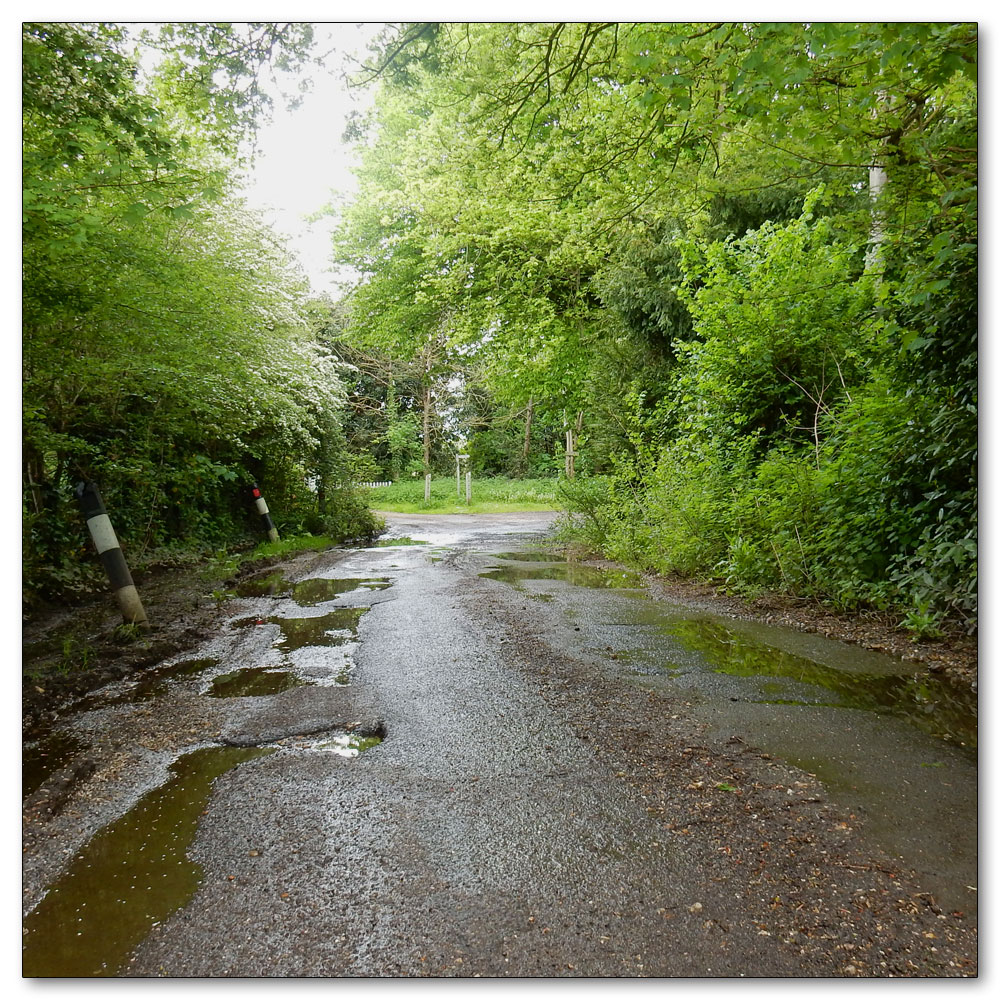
(844, 677)
(135, 872)
(338, 626)
(575, 574)
(308, 593)
(253, 682)
(131, 875)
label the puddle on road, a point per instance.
(575, 574)
(927, 701)
(254, 682)
(335, 627)
(529, 556)
(320, 590)
(316, 590)
(131, 875)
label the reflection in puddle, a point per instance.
(134, 873)
(531, 556)
(575, 574)
(254, 682)
(307, 592)
(319, 590)
(928, 701)
(384, 543)
(337, 626)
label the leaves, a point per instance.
(165, 353)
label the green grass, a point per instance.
(226, 563)
(291, 545)
(489, 496)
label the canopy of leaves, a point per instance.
(668, 228)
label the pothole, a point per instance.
(319, 590)
(254, 682)
(343, 743)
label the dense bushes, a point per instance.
(807, 454)
(165, 355)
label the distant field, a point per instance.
(489, 496)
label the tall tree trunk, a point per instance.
(877, 180)
(527, 430)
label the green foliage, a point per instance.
(667, 228)
(165, 352)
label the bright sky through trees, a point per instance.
(303, 161)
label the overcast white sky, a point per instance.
(302, 159)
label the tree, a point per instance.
(664, 227)
(164, 349)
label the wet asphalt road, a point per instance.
(482, 837)
(479, 838)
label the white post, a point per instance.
(468, 487)
(427, 488)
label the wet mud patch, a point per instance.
(272, 585)
(254, 682)
(155, 683)
(48, 753)
(133, 874)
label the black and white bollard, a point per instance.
(110, 551)
(265, 516)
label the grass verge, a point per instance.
(489, 496)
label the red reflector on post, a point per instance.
(256, 493)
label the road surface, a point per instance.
(461, 784)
